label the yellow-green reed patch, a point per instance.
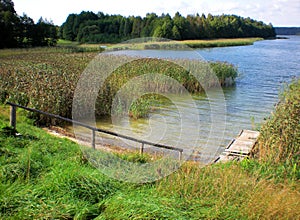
(184, 43)
(210, 75)
(46, 79)
(221, 42)
(228, 192)
(279, 142)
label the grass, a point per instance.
(139, 45)
(221, 42)
(44, 177)
(279, 142)
(46, 78)
(185, 43)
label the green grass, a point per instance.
(73, 46)
(43, 177)
(62, 42)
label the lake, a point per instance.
(264, 68)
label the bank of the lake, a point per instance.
(138, 44)
(48, 177)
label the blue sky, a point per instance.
(278, 12)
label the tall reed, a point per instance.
(279, 141)
(46, 79)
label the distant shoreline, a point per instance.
(207, 43)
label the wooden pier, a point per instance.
(240, 147)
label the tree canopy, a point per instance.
(21, 31)
(88, 27)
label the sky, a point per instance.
(278, 12)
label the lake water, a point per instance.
(264, 68)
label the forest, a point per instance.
(88, 27)
(21, 31)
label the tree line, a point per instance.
(88, 27)
(21, 31)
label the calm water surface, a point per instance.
(264, 68)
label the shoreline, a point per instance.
(168, 44)
(64, 133)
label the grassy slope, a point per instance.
(48, 177)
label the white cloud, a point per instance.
(279, 12)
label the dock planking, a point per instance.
(240, 147)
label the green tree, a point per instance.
(137, 27)
(175, 33)
(182, 25)
(158, 32)
(81, 18)
(9, 24)
(45, 33)
(149, 23)
(27, 28)
(89, 27)
(86, 33)
(68, 27)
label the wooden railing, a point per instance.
(13, 123)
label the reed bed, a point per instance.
(46, 79)
(160, 45)
(279, 142)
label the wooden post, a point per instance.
(13, 116)
(180, 155)
(93, 139)
(142, 149)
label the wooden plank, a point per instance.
(231, 142)
(241, 146)
(247, 134)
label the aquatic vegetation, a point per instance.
(163, 45)
(279, 142)
(46, 79)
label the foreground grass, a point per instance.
(43, 177)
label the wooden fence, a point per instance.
(13, 123)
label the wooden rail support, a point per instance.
(180, 155)
(142, 149)
(93, 139)
(13, 116)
